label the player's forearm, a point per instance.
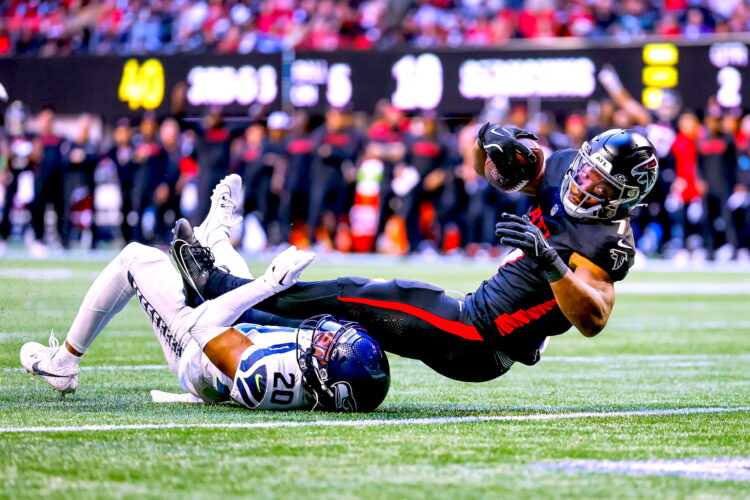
(480, 157)
(225, 350)
(582, 304)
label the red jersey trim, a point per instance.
(456, 328)
(512, 261)
(508, 323)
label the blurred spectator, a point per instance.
(717, 161)
(337, 150)
(80, 156)
(295, 197)
(696, 24)
(265, 164)
(739, 202)
(221, 26)
(151, 168)
(19, 159)
(213, 156)
(168, 192)
(685, 202)
(300, 183)
(386, 144)
(121, 155)
(418, 182)
(52, 185)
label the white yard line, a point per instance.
(629, 288)
(646, 357)
(673, 358)
(668, 288)
(721, 469)
(107, 368)
(9, 337)
(377, 422)
(46, 274)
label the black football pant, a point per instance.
(408, 318)
(329, 192)
(10, 192)
(50, 189)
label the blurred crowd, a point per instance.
(65, 27)
(389, 182)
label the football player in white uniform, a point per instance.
(322, 364)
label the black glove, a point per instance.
(501, 144)
(519, 232)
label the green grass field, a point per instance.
(669, 349)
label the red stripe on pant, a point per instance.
(457, 328)
(508, 323)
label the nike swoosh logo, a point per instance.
(258, 378)
(621, 243)
(495, 131)
(35, 369)
(488, 146)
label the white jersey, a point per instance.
(268, 376)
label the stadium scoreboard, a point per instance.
(451, 82)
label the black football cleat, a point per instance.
(194, 262)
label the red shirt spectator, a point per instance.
(685, 152)
(537, 24)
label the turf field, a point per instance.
(657, 406)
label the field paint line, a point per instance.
(563, 359)
(675, 324)
(42, 336)
(722, 469)
(107, 368)
(376, 422)
(645, 357)
(46, 274)
(671, 288)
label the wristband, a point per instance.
(556, 270)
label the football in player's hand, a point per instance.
(516, 176)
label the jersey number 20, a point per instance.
(282, 393)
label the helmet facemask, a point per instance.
(317, 346)
(588, 191)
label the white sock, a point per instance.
(109, 293)
(63, 358)
(226, 255)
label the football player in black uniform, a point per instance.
(571, 247)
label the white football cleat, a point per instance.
(227, 196)
(37, 359)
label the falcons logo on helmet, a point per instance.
(645, 174)
(619, 258)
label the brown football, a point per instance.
(519, 174)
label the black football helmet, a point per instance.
(342, 366)
(610, 176)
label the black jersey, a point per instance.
(516, 308)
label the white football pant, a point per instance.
(148, 274)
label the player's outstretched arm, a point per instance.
(585, 293)
(501, 144)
